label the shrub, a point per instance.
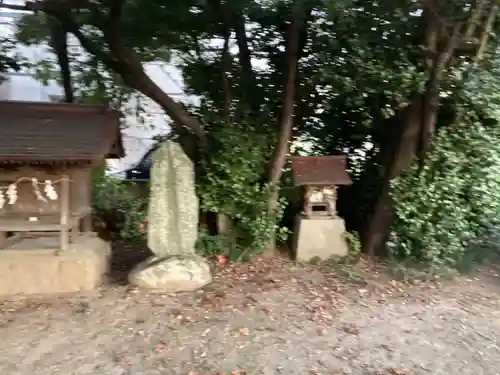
(447, 209)
(117, 206)
(230, 181)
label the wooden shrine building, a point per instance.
(47, 152)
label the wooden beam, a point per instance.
(20, 223)
(65, 214)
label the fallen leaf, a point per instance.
(244, 331)
(321, 331)
(398, 371)
(222, 259)
(353, 330)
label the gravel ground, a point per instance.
(268, 318)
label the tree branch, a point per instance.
(483, 40)
(445, 55)
(115, 10)
(476, 15)
(122, 59)
(245, 57)
(431, 35)
(59, 44)
(220, 15)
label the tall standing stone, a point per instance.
(173, 204)
(172, 226)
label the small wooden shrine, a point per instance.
(319, 178)
(47, 152)
(319, 232)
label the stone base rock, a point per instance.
(33, 266)
(172, 274)
(319, 237)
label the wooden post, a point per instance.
(87, 220)
(75, 232)
(3, 239)
(65, 207)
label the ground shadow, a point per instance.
(124, 257)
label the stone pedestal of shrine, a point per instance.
(33, 266)
(319, 237)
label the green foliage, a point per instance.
(209, 245)
(360, 62)
(92, 82)
(120, 209)
(354, 243)
(9, 61)
(448, 212)
(445, 208)
(231, 184)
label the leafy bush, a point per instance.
(230, 182)
(353, 243)
(209, 245)
(120, 209)
(447, 209)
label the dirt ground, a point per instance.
(267, 318)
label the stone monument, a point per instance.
(172, 226)
(319, 231)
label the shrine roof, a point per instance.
(59, 133)
(320, 170)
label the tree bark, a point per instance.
(59, 44)
(286, 122)
(418, 120)
(400, 149)
(285, 132)
(245, 60)
(223, 221)
(121, 59)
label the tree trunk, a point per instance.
(59, 44)
(400, 150)
(278, 159)
(125, 62)
(224, 225)
(418, 121)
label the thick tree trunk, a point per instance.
(224, 224)
(419, 118)
(399, 151)
(418, 123)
